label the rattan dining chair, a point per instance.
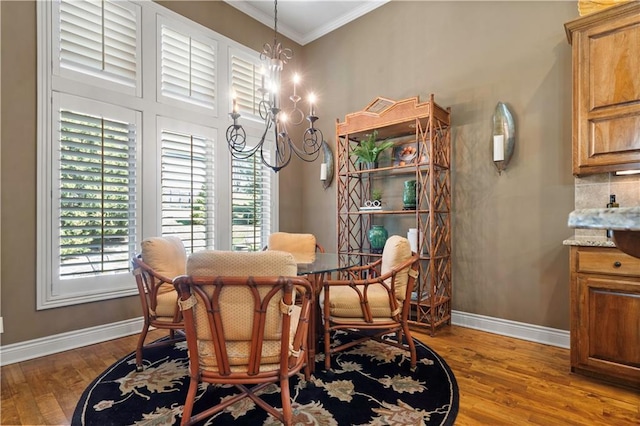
(160, 261)
(372, 301)
(246, 318)
(303, 247)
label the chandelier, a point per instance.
(276, 119)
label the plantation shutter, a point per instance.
(100, 38)
(187, 189)
(251, 204)
(245, 82)
(188, 68)
(97, 181)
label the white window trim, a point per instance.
(59, 292)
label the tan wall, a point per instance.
(508, 257)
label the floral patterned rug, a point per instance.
(371, 384)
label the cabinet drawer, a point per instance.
(607, 261)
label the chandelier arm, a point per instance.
(243, 155)
(295, 114)
(236, 139)
(260, 146)
(263, 109)
(311, 145)
(282, 154)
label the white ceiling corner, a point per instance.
(303, 21)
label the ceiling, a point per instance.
(306, 20)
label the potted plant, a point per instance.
(376, 198)
(368, 150)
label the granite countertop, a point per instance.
(624, 221)
(618, 219)
(588, 241)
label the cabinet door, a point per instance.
(607, 96)
(608, 327)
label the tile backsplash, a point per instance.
(593, 192)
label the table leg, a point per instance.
(315, 320)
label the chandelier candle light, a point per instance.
(275, 118)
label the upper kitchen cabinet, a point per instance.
(606, 89)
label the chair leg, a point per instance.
(412, 346)
(327, 346)
(141, 338)
(287, 413)
(189, 401)
(307, 367)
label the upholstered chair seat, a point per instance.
(345, 303)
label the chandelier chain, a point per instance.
(275, 22)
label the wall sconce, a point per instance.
(326, 167)
(504, 137)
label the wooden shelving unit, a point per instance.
(425, 125)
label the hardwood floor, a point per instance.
(45, 391)
(506, 381)
(502, 381)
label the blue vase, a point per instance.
(377, 237)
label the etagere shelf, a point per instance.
(426, 127)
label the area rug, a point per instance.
(371, 384)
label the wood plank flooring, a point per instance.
(502, 381)
(506, 381)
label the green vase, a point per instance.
(409, 195)
(377, 237)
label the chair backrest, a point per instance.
(166, 256)
(229, 289)
(397, 250)
(241, 264)
(302, 246)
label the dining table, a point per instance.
(321, 268)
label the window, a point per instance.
(188, 188)
(251, 204)
(99, 40)
(98, 126)
(96, 189)
(188, 68)
(93, 195)
(246, 80)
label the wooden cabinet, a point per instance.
(606, 89)
(605, 314)
(425, 128)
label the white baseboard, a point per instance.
(518, 330)
(30, 349)
(23, 351)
